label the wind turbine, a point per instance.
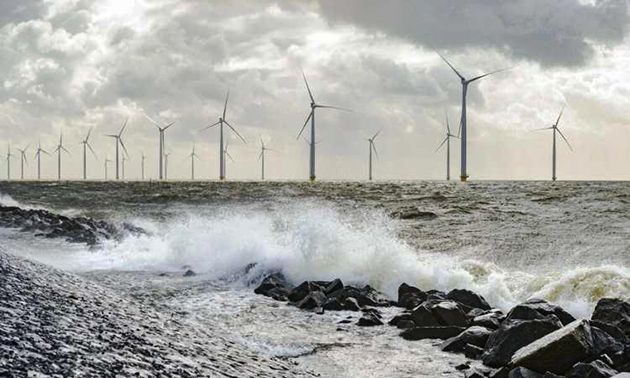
(463, 132)
(225, 152)
(118, 138)
(58, 150)
(447, 140)
(166, 165)
(555, 129)
(38, 154)
(261, 157)
(105, 163)
(142, 165)
(311, 117)
(23, 160)
(9, 156)
(372, 146)
(124, 159)
(86, 145)
(192, 157)
(222, 151)
(162, 144)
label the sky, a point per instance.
(71, 66)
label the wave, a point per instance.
(314, 241)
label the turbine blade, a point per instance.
(46, 152)
(544, 128)
(111, 135)
(488, 74)
(91, 149)
(123, 128)
(27, 146)
(375, 151)
(308, 88)
(151, 119)
(441, 144)
(375, 135)
(448, 125)
(559, 116)
(260, 156)
(449, 64)
(167, 126)
(123, 146)
(305, 123)
(333, 107)
(236, 132)
(565, 139)
(88, 135)
(226, 102)
(207, 127)
(228, 155)
(68, 152)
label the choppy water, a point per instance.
(568, 242)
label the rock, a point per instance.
(473, 352)
(613, 311)
(453, 345)
(477, 336)
(275, 286)
(423, 317)
(558, 351)
(346, 304)
(490, 320)
(468, 298)
(461, 367)
(369, 320)
(549, 374)
(604, 343)
(413, 213)
(595, 369)
(538, 309)
(333, 286)
(521, 372)
(190, 273)
(421, 333)
(305, 288)
(405, 324)
(410, 297)
(398, 318)
(450, 314)
(513, 335)
(622, 375)
(503, 372)
(366, 296)
(312, 301)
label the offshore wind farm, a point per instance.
(186, 192)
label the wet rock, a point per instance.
(450, 314)
(365, 296)
(398, 318)
(274, 286)
(370, 319)
(304, 289)
(513, 335)
(473, 352)
(521, 372)
(549, 374)
(346, 304)
(490, 320)
(462, 367)
(421, 333)
(468, 298)
(613, 311)
(604, 343)
(423, 317)
(539, 309)
(312, 301)
(595, 369)
(190, 273)
(557, 351)
(477, 336)
(410, 297)
(333, 286)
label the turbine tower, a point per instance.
(261, 157)
(372, 146)
(192, 157)
(166, 165)
(222, 151)
(23, 160)
(311, 117)
(463, 133)
(105, 163)
(142, 165)
(38, 155)
(162, 144)
(447, 140)
(9, 156)
(124, 159)
(58, 150)
(86, 145)
(118, 138)
(555, 129)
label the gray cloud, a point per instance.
(553, 33)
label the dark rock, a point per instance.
(275, 286)
(366, 296)
(552, 375)
(333, 286)
(453, 345)
(410, 297)
(468, 298)
(613, 311)
(370, 320)
(604, 343)
(474, 312)
(462, 367)
(477, 336)
(538, 309)
(491, 320)
(450, 314)
(513, 335)
(557, 351)
(521, 372)
(423, 317)
(405, 324)
(503, 372)
(190, 273)
(475, 373)
(313, 300)
(595, 369)
(346, 304)
(413, 213)
(398, 318)
(473, 352)
(302, 290)
(421, 333)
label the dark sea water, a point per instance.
(568, 242)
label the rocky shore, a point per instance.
(56, 324)
(535, 339)
(50, 225)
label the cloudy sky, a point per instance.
(71, 65)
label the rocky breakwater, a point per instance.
(50, 225)
(55, 324)
(535, 339)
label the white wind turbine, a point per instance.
(372, 147)
(193, 155)
(124, 159)
(220, 123)
(555, 129)
(261, 157)
(9, 156)
(311, 117)
(58, 150)
(463, 133)
(38, 155)
(23, 160)
(118, 138)
(447, 140)
(142, 165)
(226, 153)
(105, 164)
(161, 129)
(86, 144)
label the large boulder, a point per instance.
(423, 317)
(513, 335)
(558, 351)
(274, 286)
(366, 296)
(491, 320)
(302, 290)
(468, 298)
(421, 333)
(521, 372)
(595, 369)
(338, 304)
(613, 311)
(450, 313)
(313, 300)
(370, 319)
(473, 336)
(410, 297)
(538, 309)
